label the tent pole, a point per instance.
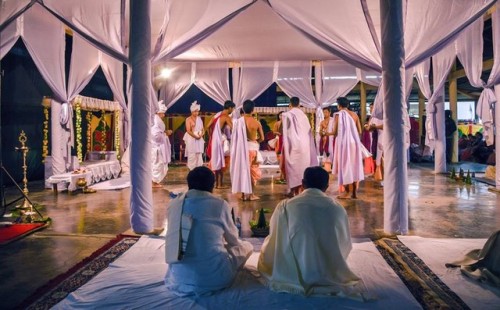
(395, 158)
(141, 195)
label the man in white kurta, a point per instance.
(193, 138)
(212, 253)
(161, 151)
(309, 241)
(299, 151)
(347, 156)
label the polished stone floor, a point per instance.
(82, 223)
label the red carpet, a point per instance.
(16, 231)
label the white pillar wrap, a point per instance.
(497, 138)
(141, 196)
(440, 141)
(395, 174)
(58, 146)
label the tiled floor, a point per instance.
(81, 223)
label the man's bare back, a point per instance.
(253, 128)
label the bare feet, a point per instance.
(343, 196)
(222, 187)
(157, 185)
(253, 197)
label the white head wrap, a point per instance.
(195, 106)
(161, 107)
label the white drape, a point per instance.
(10, 10)
(470, 52)
(84, 63)
(294, 78)
(212, 79)
(9, 36)
(435, 137)
(353, 32)
(251, 79)
(38, 29)
(338, 78)
(172, 88)
(113, 71)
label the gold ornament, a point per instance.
(45, 144)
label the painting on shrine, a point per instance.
(102, 132)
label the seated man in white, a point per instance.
(309, 241)
(202, 246)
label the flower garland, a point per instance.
(78, 111)
(45, 144)
(88, 118)
(117, 133)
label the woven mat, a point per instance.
(424, 285)
(58, 288)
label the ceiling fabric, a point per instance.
(11, 9)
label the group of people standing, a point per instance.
(234, 143)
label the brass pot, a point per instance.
(81, 182)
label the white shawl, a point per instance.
(241, 181)
(298, 146)
(217, 155)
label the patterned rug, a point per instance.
(425, 286)
(58, 288)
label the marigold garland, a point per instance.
(78, 111)
(117, 133)
(88, 118)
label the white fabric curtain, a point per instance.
(191, 21)
(351, 29)
(84, 63)
(212, 79)
(175, 86)
(470, 53)
(100, 22)
(435, 128)
(9, 36)
(12, 9)
(294, 78)
(338, 78)
(113, 71)
(251, 80)
(39, 28)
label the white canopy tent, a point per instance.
(292, 32)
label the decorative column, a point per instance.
(395, 174)
(141, 195)
(362, 101)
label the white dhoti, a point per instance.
(194, 147)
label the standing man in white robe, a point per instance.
(219, 130)
(245, 168)
(201, 244)
(193, 138)
(308, 244)
(377, 125)
(347, 157)
(299, 151)
(327, 139)
(161, 152)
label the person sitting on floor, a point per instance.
(201, 245)
(309, 241)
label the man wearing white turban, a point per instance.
(193, 138)
(161, 151)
